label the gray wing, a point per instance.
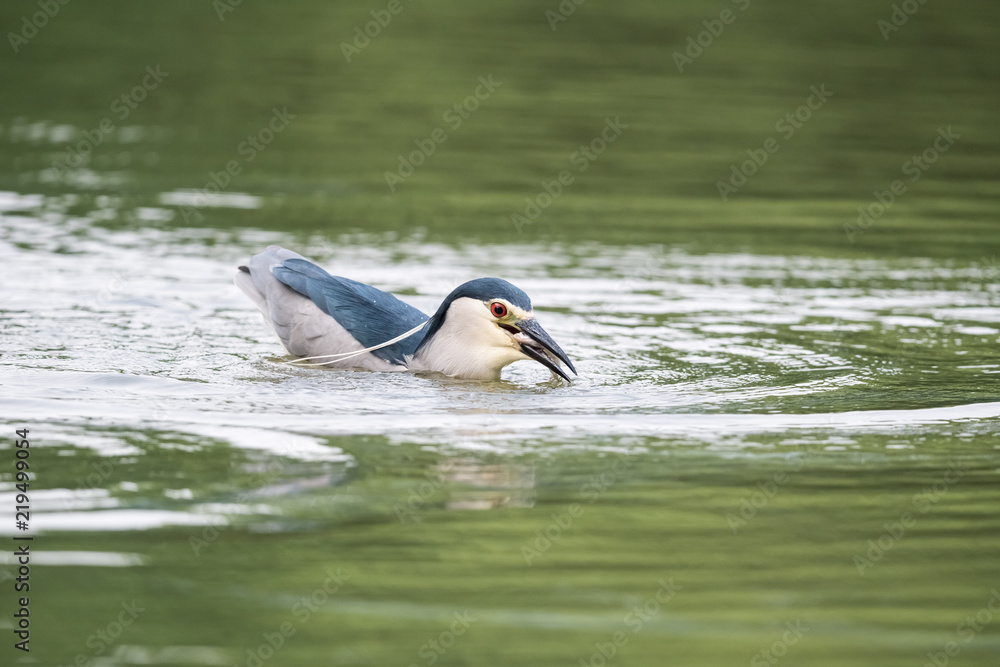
(303, 327)
(369, 314)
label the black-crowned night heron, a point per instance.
(481, 327)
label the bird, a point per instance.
(481, 327)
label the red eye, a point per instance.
(498, 309)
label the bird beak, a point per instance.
(538, 344)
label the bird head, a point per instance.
(481, 327)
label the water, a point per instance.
(742, 426)
(782, 446)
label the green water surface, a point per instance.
(783, 446)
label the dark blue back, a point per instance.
(369, 314)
